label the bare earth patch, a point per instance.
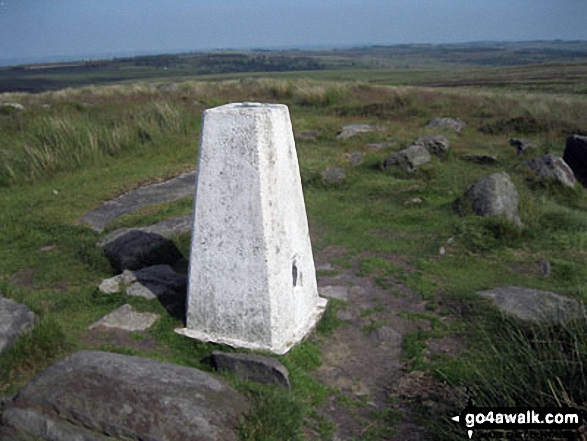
(362, 359)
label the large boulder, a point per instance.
(409, 158)
(14, 320)
(455, 124)
(552, 167)
(436, 144)
(494, 196)
(103, 396)
(533, 305)
(137, 249)
(575, 155)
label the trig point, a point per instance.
(252, 281)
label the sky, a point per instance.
(42, 29)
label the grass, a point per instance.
(94, 143)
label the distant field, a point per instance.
(554, 67)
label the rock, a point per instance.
(480, 159)
(442, 251)
(179, 187)
(575, 155)
(16, 106)
(552, 167)
(309, 135)
(521, 145)
(102, 396)
(168, 87)
(409, 158)
(150, 282)
(356, 158)
(166, 228)
(545, 268)
(137, 249)
(333, 175)
(386, 334)
(252, 367)
(533, 305)
(323, 266)
(111, 285)
(334, 292)
(455, 124)
(15, 319)
(435, 144)
(355, 129)
(415, 201)
(495, 195)
(127, 319)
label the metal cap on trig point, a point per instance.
(252, 281)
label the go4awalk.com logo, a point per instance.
(555, 419)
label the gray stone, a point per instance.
(455, 124)
(166, 228)
(14, 320)
(136, 249)
(534, 305)
(552, 167)
(179, 187)
(355, 129)
(575, 155)
(480, 159)
(104, 396)
(111, 285)
(408, 159)
(495, 195)
(257, 368)
(545, 268)
(356, 158)
(127, 319)
(333, 175)
(386, 334)
(521, 145)
(436, 144)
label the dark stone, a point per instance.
(409, 158)
(521, 145)
(455, 124)
(495, 195)
(160, 280)
(136, 249)
(480, 159)
(14, 320)
(252, 367)
(575, 156)
(436, 144)
(552, 167)
(166, 228)
(103, 396)
(534, 305)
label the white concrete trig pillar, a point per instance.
(252, 281)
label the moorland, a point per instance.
(92, 130)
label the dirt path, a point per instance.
(362, 359)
